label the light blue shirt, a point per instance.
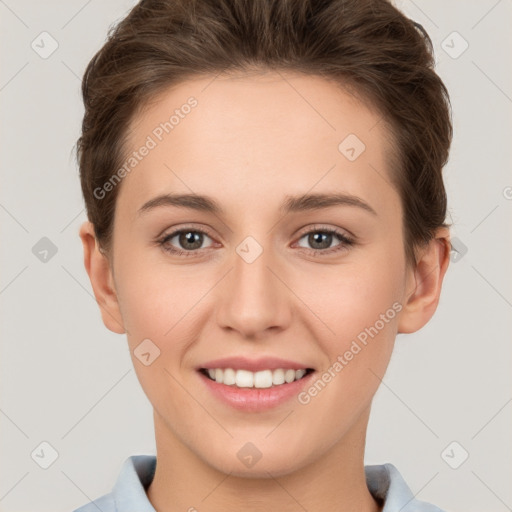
(129, 493)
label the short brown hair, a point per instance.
(367, 46)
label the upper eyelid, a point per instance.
(318, 227)
(177, 231)
(303, 231)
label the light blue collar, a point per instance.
(384, 482)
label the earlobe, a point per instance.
(424, 284)
(98, 268)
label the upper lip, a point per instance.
(253, 365)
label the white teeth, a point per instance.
(278, 377)
(229, 376)
(289, 375)
(299, 374)
(262, 379)
(244, 379)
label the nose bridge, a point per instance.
(253, 298)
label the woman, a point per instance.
(263, 183)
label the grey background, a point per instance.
(67, 380)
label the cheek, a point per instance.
(162, 304)
(360, 306)
(362, 311)
(156, 306)
(150, 295)
(349, 300)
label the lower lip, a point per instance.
(256, 399)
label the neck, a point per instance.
(335, 481)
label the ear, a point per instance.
(99, 270)
(424, 283)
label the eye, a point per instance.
(320, 240)
(191, 240)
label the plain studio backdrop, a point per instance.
(443, 413)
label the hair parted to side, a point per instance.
(366, 46)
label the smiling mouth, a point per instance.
(260, 380)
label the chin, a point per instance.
(249, 462)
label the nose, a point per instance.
(253, 299)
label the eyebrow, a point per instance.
(291, 204)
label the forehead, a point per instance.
(245, 137)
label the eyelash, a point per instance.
(346, 242)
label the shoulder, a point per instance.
(387, 485)
(129, 491)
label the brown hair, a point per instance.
(366, 46)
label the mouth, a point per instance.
(263, 379)
(255, 392)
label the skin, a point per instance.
(251, 141)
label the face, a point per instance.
(256, 271)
